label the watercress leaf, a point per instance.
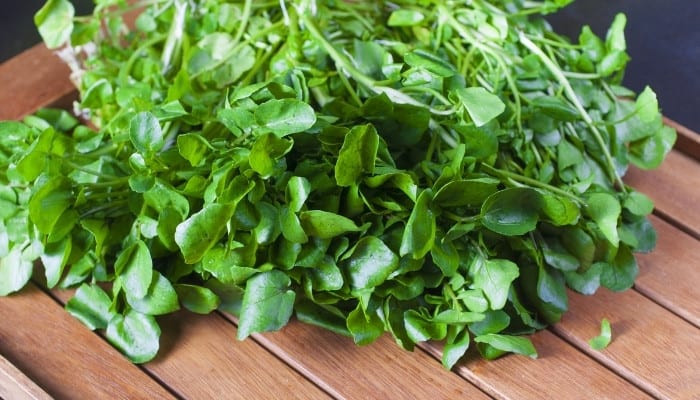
(197, 299)
(285, 116)
(452, 317)
(638, 203)
(146, 134)
(421, 329)
(291, 226)
(357, 155)
(446, 256)
(436, 65)
(160, 298)
(265, 152)
(134, 334)
(365, 327)
(508, 343)
(419, 235)
(134, 266)
(512, 211)
(551, 288)
(15, 271)
(615, 38)
(491, 322)
(202, 230)
(55, 22)
(494, 278)
(605, 210)
(91, 306)
(326, 225)
(556, 107)
(162, 196)
(404, 17)
(647, 106)
(267, 303)
(193, 148)
(466, 193)
(603, 340)
(560, 210)
(52, 197)
(621, 273)
(639, 235)
(586, 282)
(649, 153)
(370, 263)
(54, 260)
(455, 349)
(481, 105)
(325, 275)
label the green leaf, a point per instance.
(455, 349)
(146, 134)
(54, 260)
(326, 225)
(134, 334)
(358, 154)
(466, 193)
(446, 256)
(201, 231)
(55, 22)
(508, 343)
(557, 108)
(160, 299)
(481, 105)
(286, 116)
(512, 211)
(91, 306)
(605, 210)
(267, 303)
(494, 278)
(419, 235)
(621, 273)
(647, 106)
(638, 204)
(420, 329)
(265, 152)
(364, 327)
(403, 17)
(15, 271)
(51, 199)
(432, 63)
(603, 340)
(197, 299)
(135, 269)
(370, 263)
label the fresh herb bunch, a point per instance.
(441, 170)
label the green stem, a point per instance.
(529, 181)
(571, 95)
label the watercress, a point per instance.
(438, 170)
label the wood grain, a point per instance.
(33, 79)
(62, 356)
(688, 141)
(380, 370)
(670, 275)
(559, 372)
(202, 359)
(656, 350)
(17, 386)
(675, 189)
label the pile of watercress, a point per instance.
(439, 170)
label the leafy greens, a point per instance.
(439, 170)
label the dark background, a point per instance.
(663, 38)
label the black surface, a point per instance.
(663, 40)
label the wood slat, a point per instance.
(33, 79)
(560, 371)
(17, 386)
(675, 189)
(670, 275)
(656, 350)
(688, 141)
(202, 359)
(62, 356)
(378, 371)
